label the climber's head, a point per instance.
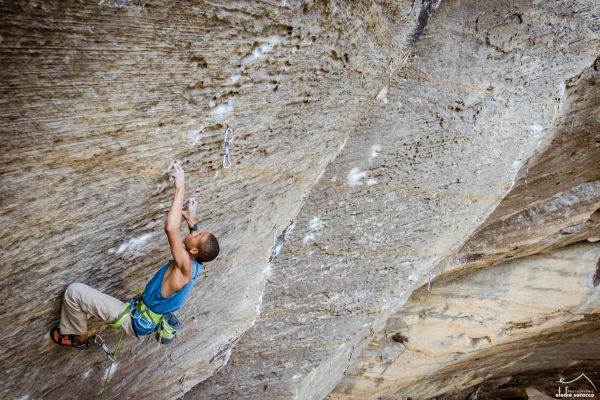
(202, 247)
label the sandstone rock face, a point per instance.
(556, 197)
(98, 99)
(483, 89)
(384, 179)
(469, 314)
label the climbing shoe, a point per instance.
(67, 340)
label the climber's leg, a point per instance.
(80, 300)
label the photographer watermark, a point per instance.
(581, 393)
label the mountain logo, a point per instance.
(582, 393)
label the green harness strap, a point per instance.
(122, 315)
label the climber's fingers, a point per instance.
(176, 169)
(178, 175)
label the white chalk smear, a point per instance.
(261, 50)
(308, 238)
(170, 168)
(112, 370)
(371, 182)
(355, 175)
(258, 305)
(343, 145)
(196, 136)
(536, 130)
(132, 244)
(315, 223)
(381, 96)
(267, 271)
(515, 166)
(375, 149)
(223, 108)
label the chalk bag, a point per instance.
(167, 329)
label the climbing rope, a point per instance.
(111, 356)
(226, 160)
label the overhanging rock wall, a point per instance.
(556, 197)
(99, 97)
(484, 87)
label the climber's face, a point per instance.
(194, 241)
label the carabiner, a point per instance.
(226, 160)
(109, 354)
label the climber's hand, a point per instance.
(178, 176)
(190, 213)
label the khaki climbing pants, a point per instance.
(81, 300)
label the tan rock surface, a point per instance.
(470, 314)
(556, 197)
(98, 98)
(425, 168)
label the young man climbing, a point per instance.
(165, 293)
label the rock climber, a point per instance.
(164, 294)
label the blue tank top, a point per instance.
(153, 298)
(156, 302)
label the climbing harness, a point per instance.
(111, 356)
(165, 325)
(527, 173)
(226, 160)
(182, 380)
(391, 72)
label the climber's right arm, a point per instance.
(173, 222)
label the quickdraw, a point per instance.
(392, 67)
(527, 172)
(226, 160)
(429, 283)
(111, 356)
(182, 380)
(98, 340)
(273, 243)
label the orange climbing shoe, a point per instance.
(69, 340)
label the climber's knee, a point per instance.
(75, 290)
